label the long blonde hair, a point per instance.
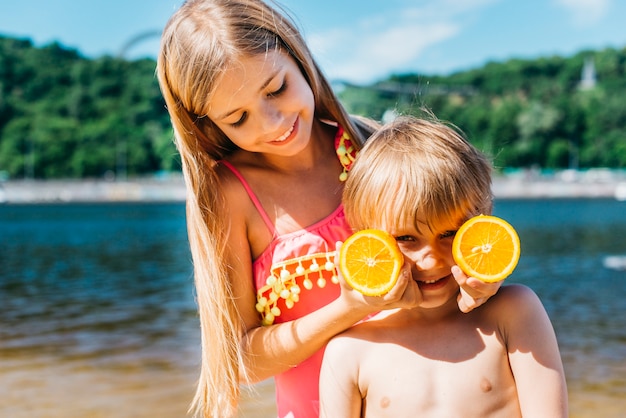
(200, 41)
(417, 166)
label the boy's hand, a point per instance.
(473, 292)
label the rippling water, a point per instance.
(97, 312)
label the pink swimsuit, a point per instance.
(294, 276)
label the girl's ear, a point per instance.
(364, 126)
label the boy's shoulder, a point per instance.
(513, 293)
(511, 302)
(370, 329)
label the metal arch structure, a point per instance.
(121, 164)
(136, 40)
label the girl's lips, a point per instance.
(288, 135)
(434, 284)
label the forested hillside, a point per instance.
(549, 113)
(65, 116)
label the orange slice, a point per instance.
(486, 247)
(370, 261)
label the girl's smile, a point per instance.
(265, 105)
(291, 133)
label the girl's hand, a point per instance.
(404, 294)
(473, 292)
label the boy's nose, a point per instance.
(426, 259)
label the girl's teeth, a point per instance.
(285, 135)
(430, 281)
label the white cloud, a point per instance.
(585, 12)
(376, 46)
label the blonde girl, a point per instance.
(265, 147)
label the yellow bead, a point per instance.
(268, 320)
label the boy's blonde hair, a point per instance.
(416, 167)
(199, 43)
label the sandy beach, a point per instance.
(530, 185)
(35, 391)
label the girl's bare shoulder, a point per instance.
(237, 200)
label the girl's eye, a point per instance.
(241, 120)
(447, 234)
(279, 91)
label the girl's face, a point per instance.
(430, 256)
(264, 104)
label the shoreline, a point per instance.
(172, 189)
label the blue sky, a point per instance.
(354, 40)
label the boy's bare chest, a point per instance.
(465, 376)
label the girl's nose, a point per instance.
(271, 116)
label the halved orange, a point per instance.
(370, 261)
(486, 247)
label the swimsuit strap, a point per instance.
(253, 198)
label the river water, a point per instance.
(98, 318)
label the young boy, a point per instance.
(420, 180)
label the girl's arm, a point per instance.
(273, 349)
(534, 355)
(276, 348)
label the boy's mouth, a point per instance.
(433, 284)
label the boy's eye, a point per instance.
(405, 238)
(447, 234)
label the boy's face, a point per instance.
(430, 255)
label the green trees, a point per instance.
(525, 112)
(65, 116)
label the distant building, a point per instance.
(588, 75)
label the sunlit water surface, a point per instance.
(97, 311)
